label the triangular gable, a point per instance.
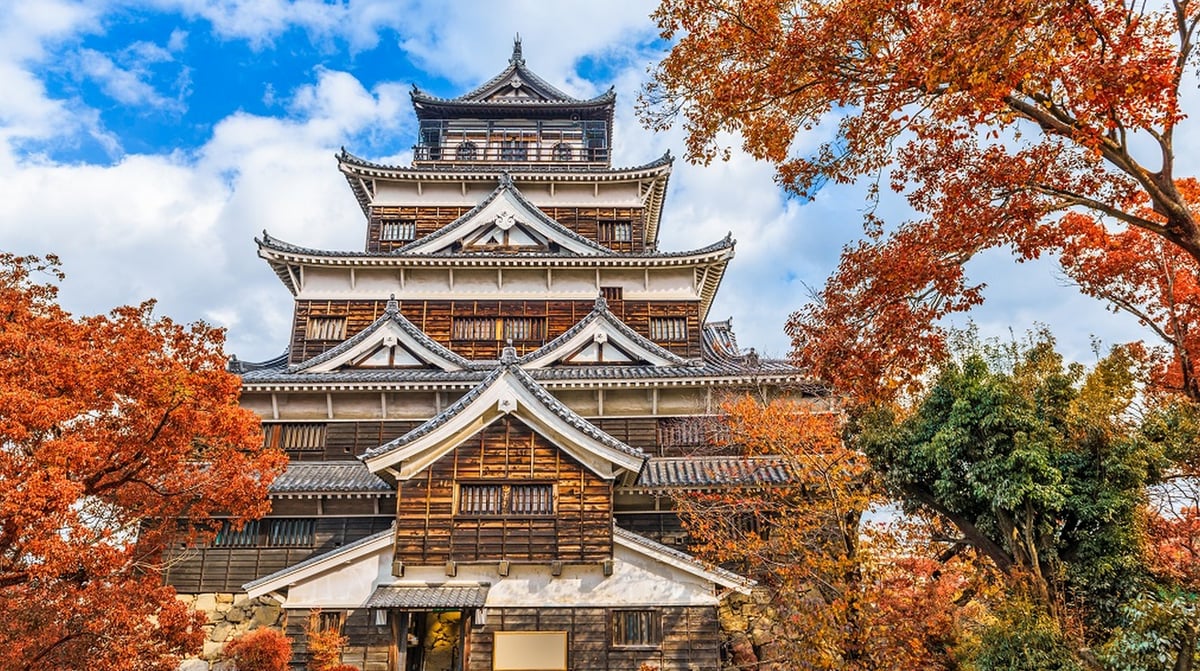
(359, 575)
(601, 339)
(392, 341)
(505, 221)
(516, 83)
(506, 391)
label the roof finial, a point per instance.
(393, 307)
(517, 57)
(508, 355)
(601, 302)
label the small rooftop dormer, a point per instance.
(514, 118)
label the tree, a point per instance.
(325, 646)
(260, 650)
(1044, 468)
(839, 595)
(996, 119)
(118, 434)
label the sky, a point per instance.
(147, 142)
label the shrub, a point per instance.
(260, 650)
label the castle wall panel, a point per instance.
(507, 451)
(435, 318)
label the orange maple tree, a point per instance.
(841, 594)
(995, 119)
(119, 433)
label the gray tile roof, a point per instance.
(506, 185)
(483, 170)
(430, 596)
(601, 312)
(329, 477)
(316, 559)
(508, 366)
(516, 67)
(391, 314)
(638, 539)
(714, 472)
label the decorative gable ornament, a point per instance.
(505, 221)
(599, 339)
(392, 341)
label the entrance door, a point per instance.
(430, 640)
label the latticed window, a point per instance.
(611, 293)
(690, 432)
(668, 329)
(616, 231)
(325, 328)
(466, 151)
(229, 537)
(498, 499)
(637, 627)
(397, 229)
(297, 437)
(292, 533)
(499, 328)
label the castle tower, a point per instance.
(488, 407)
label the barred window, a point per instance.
(289, 533)
(499, 328)
(325, 328)
(690, 432)
(616, 231)
(229, 537)
(281, 532)
(495, 499)
(397, 229)
(466, 151)
(298, 437)
(668, 329)
(637, 628)
(612, 293)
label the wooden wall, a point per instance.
(219, 569)
(691, 638)
(428, 530)
(434, 318)
(584, 221)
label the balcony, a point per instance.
(481, 142)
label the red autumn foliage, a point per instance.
(260, 650)
(996, 120)
(115, 427)
(325, 646)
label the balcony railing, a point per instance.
(472, 142)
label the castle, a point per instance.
(489, 408)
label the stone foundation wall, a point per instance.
(748, 624)
(229, 616)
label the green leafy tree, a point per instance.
(1042, 467)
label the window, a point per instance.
(514, 150)
(616, 231)
(228, 537)
(325, 328)
(637, 627)
(498, 328)
(611, 293)
(397, 229)
(668, 329)
(298, 437)
(296, 533)
(328, 620)
(497, 499)
(281, 532)
(562, 152)
(467, 151)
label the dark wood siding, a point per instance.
(584, 221)
(426, 220)
(216, 569)
(344, 439)
(429, 531)
(435, 319)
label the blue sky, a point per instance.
(147, 143)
